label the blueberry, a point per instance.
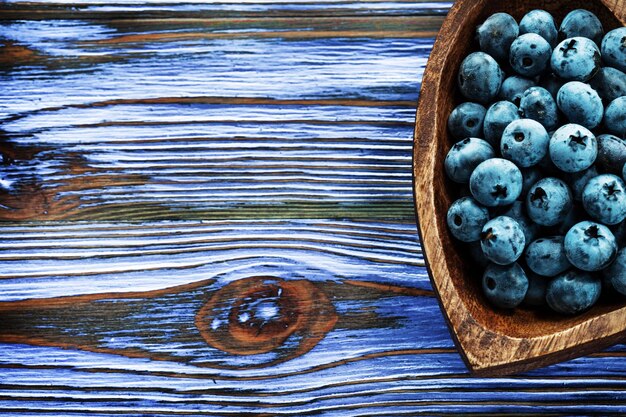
(496, 182)
(583, 23)
(575, 215)
(525, 142)
(614, 48)
(502, 240)
(464, 156)
(615, 117)
(505, 286)
(528, 169)
(498, 117)
(538, 104)
(517, 212)
(590, 246)
(530, 54)
(537, 288)
(578, 180)
(610, 83)
(575, 59)
(573, 148)
(496, 34)
(546, 256)
(466, 120)
(476, 253)
(607, 285)
(480, 77)
(581, 104)
(548, 168)
(466, 219)
(616, 272)
(619, 231)
(551, 82)
(530, 176)
(573, 292)
(604, 198)
(548, 201)
(611, 154)
(539, 22)
(513, 88)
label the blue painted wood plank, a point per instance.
(382, 69)
(52, 261)
(338, 7)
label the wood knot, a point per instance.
(261, 314)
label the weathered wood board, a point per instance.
(206, 209)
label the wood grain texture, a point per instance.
(492, 341)
(166, 172)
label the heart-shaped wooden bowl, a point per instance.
(492, 342)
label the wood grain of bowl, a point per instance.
(492, 342)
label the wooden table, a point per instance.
(207, 210)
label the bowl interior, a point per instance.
(466, 277)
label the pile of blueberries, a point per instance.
(541, 160)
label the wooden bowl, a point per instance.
(492, 342)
